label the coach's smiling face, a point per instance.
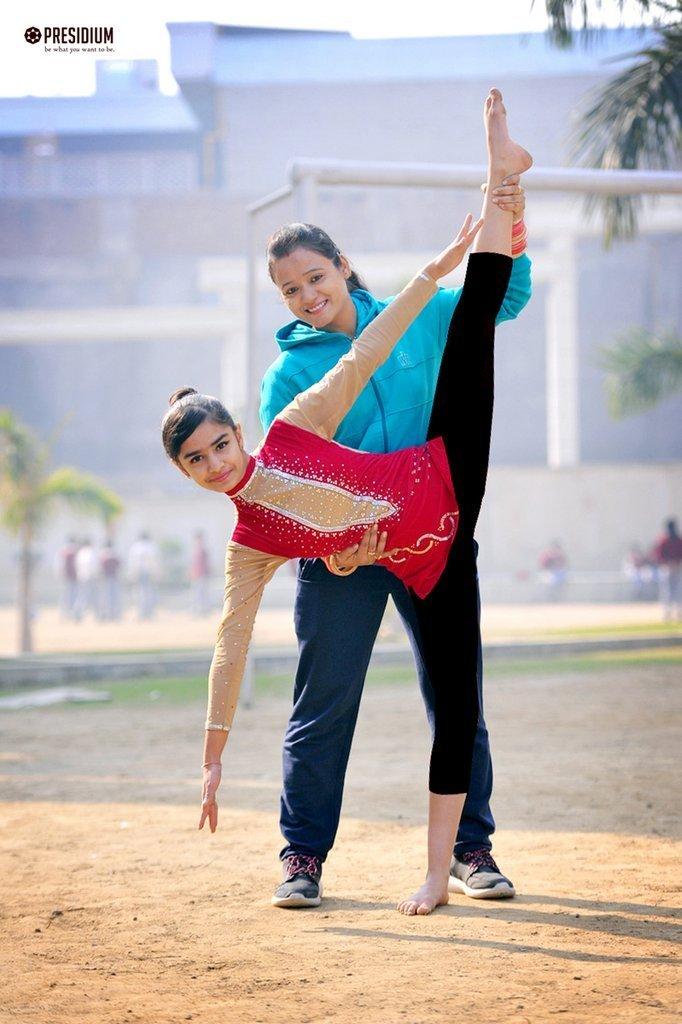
(315, 288)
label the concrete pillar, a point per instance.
(563, 399)
(305, 200)
(216, 276)
(251, 381)
(224, 278)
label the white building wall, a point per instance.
(597, 512)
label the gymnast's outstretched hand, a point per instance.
(209, 804)
(455, 252)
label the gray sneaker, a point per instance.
(476, 874)
(302, 882)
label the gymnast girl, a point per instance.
(300, 494)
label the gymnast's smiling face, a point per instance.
(315, 288)
(214, 456)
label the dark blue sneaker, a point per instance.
(302, 883)
(476, 874)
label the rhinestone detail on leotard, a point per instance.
(321, 505)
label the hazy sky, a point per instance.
(140, 30)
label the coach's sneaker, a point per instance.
(476, 874)
(302, 883)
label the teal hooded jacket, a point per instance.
(394, 408)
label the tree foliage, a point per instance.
(29, 491)
(635, 120)
(641, 370)
(560, 13)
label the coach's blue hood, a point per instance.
(298, 332)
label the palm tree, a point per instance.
(29, 493)
(560, 14)
(635, 121)
(641, 370)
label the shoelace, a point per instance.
(302, 863)
(479, 859)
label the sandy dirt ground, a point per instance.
(274, 625)
(115, 909)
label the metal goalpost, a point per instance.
(305, 178)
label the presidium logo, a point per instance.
(72, 39)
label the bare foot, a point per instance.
(506, 156)
(432, 894)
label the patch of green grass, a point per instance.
(599, 661)
(149, 691)
(672, 629)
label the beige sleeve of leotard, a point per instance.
(246, 573)
(321, 407)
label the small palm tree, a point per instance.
(29, 493)
(635, 120)
(641, 370)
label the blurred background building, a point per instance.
(123, 263)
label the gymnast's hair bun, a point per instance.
(181, 393)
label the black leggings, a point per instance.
(448, 618)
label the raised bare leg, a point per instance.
(504, 157)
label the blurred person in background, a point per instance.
(199, 572)
(553, 566)
(87, 571)
(110, 566)
(65, 570)
(143, 571)
(638, 571)
(667, 555)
